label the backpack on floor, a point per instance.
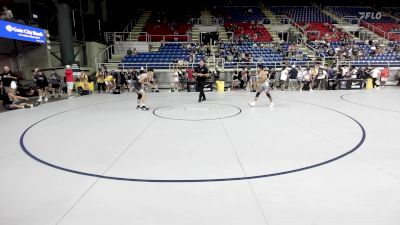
(306, 87)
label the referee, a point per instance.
(201, 73)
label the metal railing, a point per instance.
(350, 20)
(105, 55)
(393, 36)
(201, 20)
(313, 32)
(369, 63)
(222, 64)
(145, 65)
(299, 28)
(229, 66)
(283, 19)
(130, 25)
(144, 36)
(374, 29)
(169, 37)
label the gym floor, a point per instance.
(316, 158)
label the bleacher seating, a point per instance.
(261, 54)
(158, 30)
(388, 28)
(302, 14)
(166, 54)
(342, 11)
(325, 30)
(241, 19)
(166, 23)
(261, 34)
(243, 16)
(382, 25)
(240, 14)
(390, 56)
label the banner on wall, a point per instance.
(22, 32)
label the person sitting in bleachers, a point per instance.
(6, 13)
(129, 51)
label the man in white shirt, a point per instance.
(375, 75)
(345, 71)
(284, 77)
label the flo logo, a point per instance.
(370, 15)
(9, 28)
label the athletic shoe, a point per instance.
(144, 108)
(138, 107)
(70, 97)
(36, 104)
(204, 99)
(46, 99)
(252, 104)
(40, 99)
(271, 105)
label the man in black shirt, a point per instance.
(201, 73)
(41, 84)
(6, 78)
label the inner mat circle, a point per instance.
(197, 111)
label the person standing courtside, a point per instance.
(202, 74)
(70, 80)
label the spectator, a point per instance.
(129, 51)
(6, 13)
(208, 50)
(100, 81)
(41, 84)
(109, 81)
(321, 79)
(375, 75)
(85, 80)
(70, 80)
(7, 77)
(384, 76)
(293, 78)
(175, 85)
(152, 80)
(55, 82)
(235, 80)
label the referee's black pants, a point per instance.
(200, 86)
